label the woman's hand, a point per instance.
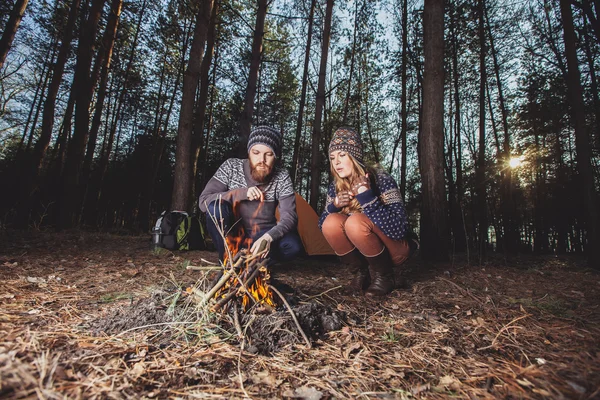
(254, 193)
(361, 185)
(342, 199)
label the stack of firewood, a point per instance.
(243, 278)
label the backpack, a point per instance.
(177, 230)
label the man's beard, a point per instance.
(260, 175)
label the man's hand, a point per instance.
(342, 199)
(254, 193)
(361, 185)
(262, 245)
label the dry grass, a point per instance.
(525, 329)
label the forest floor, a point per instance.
(88, 315)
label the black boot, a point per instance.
(382, 275)
(358, 265)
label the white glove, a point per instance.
(262, 245)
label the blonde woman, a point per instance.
(364, 219)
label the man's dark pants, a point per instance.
(284, 249)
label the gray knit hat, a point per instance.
(348, 140)
(267, 136)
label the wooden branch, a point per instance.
(244, 288)
(219, 285)
(308, 344)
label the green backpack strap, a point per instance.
(182, 233)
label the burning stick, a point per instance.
(244, 288)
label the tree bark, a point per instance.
(48, 116)
(434, 233)
(246, 119)
(582, 142)
(71, 194)
(315, 163)
(108, 44)
(403, 99)
(309, 34)
(198, 137)
(480, 168)
(14, 20)
(352, 61)
(182, 180)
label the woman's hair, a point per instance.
(345, 184)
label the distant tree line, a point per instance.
(487, 111)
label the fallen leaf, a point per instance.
(419, 389)
(576, 387)
(524, 382)
(351, 348)
(450, 350)
(307, 393)
(265, 377)
(449, 382)
(137, 370)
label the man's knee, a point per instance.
(217, 210)
(290, 247)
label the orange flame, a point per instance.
(259, 291)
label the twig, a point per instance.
(203, 268)
(244, 287)
(322, 293)
(218, 286)
(308, 344)
(505, 327)
(477, 299)
(236, 321)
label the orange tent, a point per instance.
(313, 240)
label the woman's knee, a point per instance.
(357, 226)
(333, 224)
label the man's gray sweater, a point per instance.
(231, 183)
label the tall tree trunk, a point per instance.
(511, 235)
(182, 180)
(433, 214)
(592, 15)
(352, 61)
(108, 43)
(582, 142)
(72, 195)
(14, 20)
(48, 116)
(246, 118)
(458, 226)
(198, 137)
(108, 142)
(480, 172)
(315, 163)
(593, 84)
(38, 96)
(309, 34)
(209, 126)
(403, 98)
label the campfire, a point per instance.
(245, 278)
(242, 283)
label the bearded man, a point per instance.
(244, 194)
